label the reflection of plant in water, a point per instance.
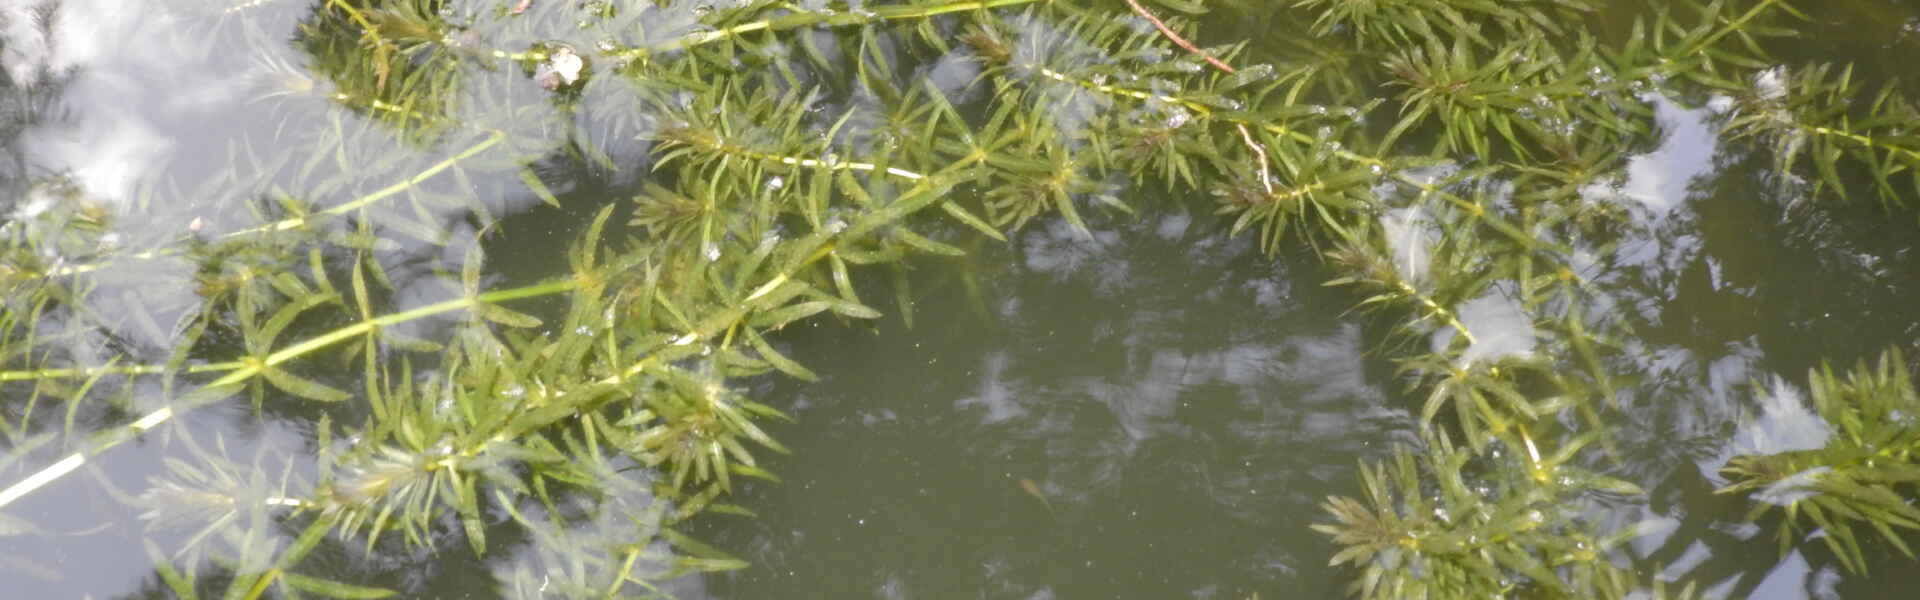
(788, 166)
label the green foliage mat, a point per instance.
(1435, 152)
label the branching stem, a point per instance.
(304, 220)
(248, 370)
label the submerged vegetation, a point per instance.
(1459, 164)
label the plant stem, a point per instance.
(83, 372)
(798, 20)
(814, 163)
(153, 419)
(1204, 111)
(1168, 32)
(295, 222)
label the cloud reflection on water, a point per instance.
(1182, 412)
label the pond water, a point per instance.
(1183, 404)
(1169, 396)
(1155, 410)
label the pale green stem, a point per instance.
(1865, 140)
(794, 21)
(84, 372)
(304, 220)
(153, 419)
(813, 163)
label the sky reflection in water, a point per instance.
(1170, 393)
(1182, 402)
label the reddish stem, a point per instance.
(1168, 31)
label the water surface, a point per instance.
(1154, 411)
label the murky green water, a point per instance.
(1176, 401)
(1184, 404)
(1155, 412)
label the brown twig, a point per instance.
(1168, 31)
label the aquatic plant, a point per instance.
(1850, 463)
(1456, 170)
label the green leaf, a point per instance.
(778, 360)
(303, 387)
(779, 317)
(334, 589)
(539, 188)
(978, 224)
(308, 539)
(855, 310)
(918, 242)
(902, 292)
(504, 316)
(181, 585)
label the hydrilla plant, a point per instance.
(790, 151)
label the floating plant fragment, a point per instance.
(562, 69)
